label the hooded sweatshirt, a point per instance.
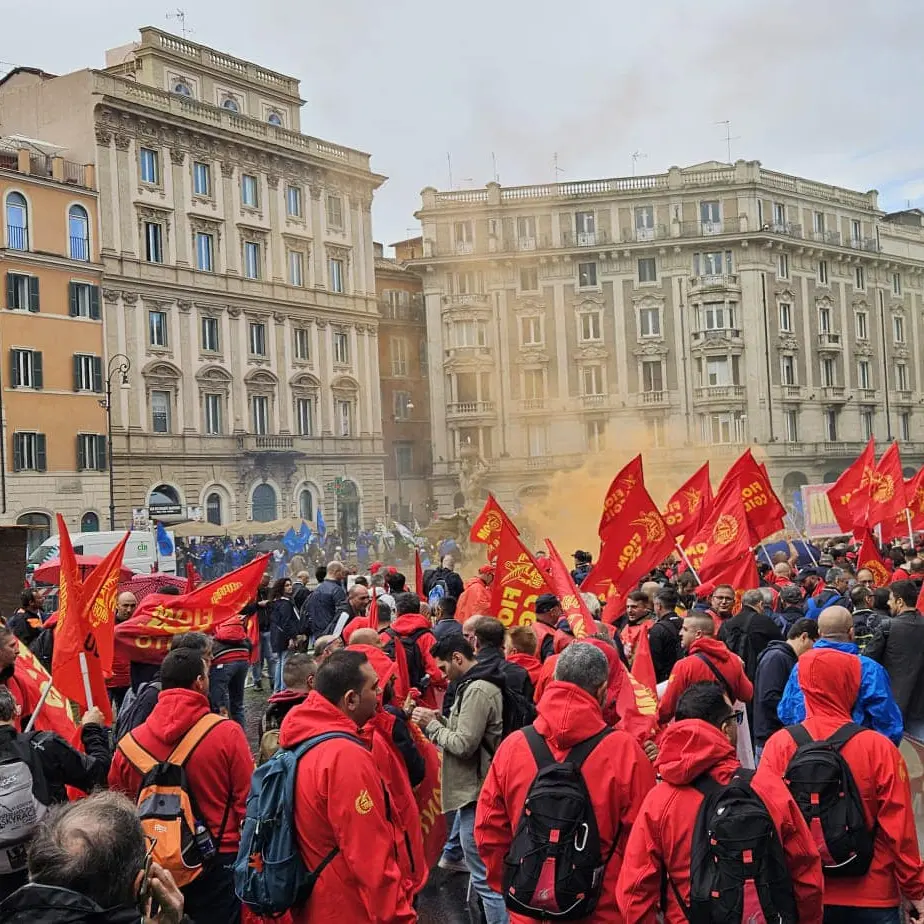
(341, 802)
(773, 669)
(475, 600)
(530, 663)
(408, 624)
(218, 770)
(568, 715)
(44, 904)
(831, 681)
(692, 669)
(662, 836)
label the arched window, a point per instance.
(213, 508)
(89, 523)
(164, 501)
(274, 118)
(181, 88)
(17, 222)
(306, 506)
(38, 526)
(78, 229)
(348, 512)
(230, 104)
(264, 503)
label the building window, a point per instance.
(91, 452)
(296, 268)
(710, 214)
(17, 222)
(29, 452)
(157, 329)
(595, 435)
(335, 268)
(822, 272)
(590, 326)
(819, 222)
(22, 292)
(259, 414)
(534, 385)
(719, 370)
(211, 342)
(230, 103)
(469, 334)
(404, 458)
(398, 347)
(205, 248)
(866, 423)
(788, 369)
(252, 260)
(84, 301)
(88, 373)
(649, 322)
(648, 270)
(537, 440)
(779, 215)
(856, 231)
(212, 408)
(153, 242)
(89, 522)
(531, 330)
(863, 374)
(341, 348)
(896, 283)
(257, 339)
(306, 506)
(904, 426)
(202, 179)
(274, 119)
(293, 201)
(250, 191)
(723, 428)
(304, 416)
(782, 266)
(785, 317)
(526, 232)
(652, 376)
(791, 424)
(213, 509)
(644, 224)
(182, 89)
(150, 166)
(344, 409)
(828, 373)
(901, 377)
(335, 213)
(25, 368)
(587, 275)
(529, 279)
(302, 344)
(859, 277)
(862, 325)
(78, 230)
(160, 411)
(592, 380)
(898, 328)
(402, 405)
(463, 234)
(585, 228)
(824, 320)
(718, 316)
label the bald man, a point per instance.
(120, 681)
(875, 706)
(366, 637)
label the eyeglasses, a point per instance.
(737, 717)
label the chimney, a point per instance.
(378, 250)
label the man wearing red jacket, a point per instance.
(230, 659)
(218, 773)
(702, 740)
(617, 773)
(476, 598)
(830, 682)
(341, 803)
(408, 625)
(706, 657)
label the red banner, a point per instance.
(428, 796)
(897, 527)
(619, 494)
(849, 495)
(763, 509)
(637, 707)
(572, 603)
(31, 677)
(886, 489)
(691, 505)
(146, 636)
(100, 591)
(487, 528)
(723, 539)
(868, 557)
(643, 669)
(739, 573)
(518, 582)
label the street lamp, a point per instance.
(118, 365)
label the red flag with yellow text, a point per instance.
(897, 527)
(30, 677)
(690, 505)
(849, 495)
(870, 558)
(637, 707)
(886, 489)
(572, 603)
(740, 573)
(487, 527)
(100, 591)
(723, 539)
(518, 582)
(428, 796)
(618, 495)
(146, 636)
(749, 481)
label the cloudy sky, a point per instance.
(828, 89)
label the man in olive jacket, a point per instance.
(468, 738)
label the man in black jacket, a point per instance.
(773, 669)
(447, 575)
(26, 622)
(749, 632)
(489, 646)
(865, 619)
(326, 603)
(791, 607)
(664, 635)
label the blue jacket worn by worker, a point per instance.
(875, 706)
(828, 597)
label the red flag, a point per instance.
(691, 505)
(30, 677)
(914, 497)
(637, 707)
(192, 578)
(418, 575)
(572, 603)
(100, 591)
(887, 488)
(146, 636)
(723, 539)
(428, 796)
(643, 669)
(762, 507)
(617, 497)
(614, 606)
(487, 528)
(849, 495)
(869, 557)
(739, 573)
(518, 582)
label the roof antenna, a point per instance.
(636, 156)
(555, 166)
(729, 137)
(180, 16)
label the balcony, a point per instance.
(833, 393)
(467, 298)
(904, 397)
(787, 228)
(829, 342)
(641, 235)
(704, 228)
(864, 243)
(584, 238)
(716, 333)
(469, 408)
(791, 392)
(653, 398)
(827, 237)
(714, 281)
(527, 243)
(593, 401)
(465, 247)
(17, 238)
(841, 448)
(868, 395)
(253, 443)
(408, 311)
(533, 404)
(554, 463)
(719, 393)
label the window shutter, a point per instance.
(72, 290)
(81, 453)
(33, 293)
(17, 452)
(41, 459)
(9, 291)
(14, 370)
(95, 312)
(102, 458)
(37, 375)
(97, 374)
(76, 373)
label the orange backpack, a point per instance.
(166, 807)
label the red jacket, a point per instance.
(690, 670)
(662, 835)
(567, 716)
(231, 642)
(830, 681)
(341, 803)
(542, 633)
(631, 633)
(546, 676)
(405, 625)
(218, 771)
(530, 663)
(475, 600)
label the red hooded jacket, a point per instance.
(232, 638)
(662, 835)
(341, 802)
(690, 670)
(404, 626)
(567, 716)
(830, 681)
(475, 600)
(218, 770)
(530, 663)
(546, 676)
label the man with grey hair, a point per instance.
(835, 593)
(749, 632)
(325, 604)
(570, 726)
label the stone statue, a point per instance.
(471, 476)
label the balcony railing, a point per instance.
(593, 400)
(715, 281)
(833, 393)
(533, 404)
(716, 333)
(470, 408)
(904, 396)
(266, 443)
(827, 237)
(640, 235)
(828, 340)
(466, 298)
(864, 243)
(402, 311)
(653, 397)
(792, 392)
(584, 238)
(80, 248)
(465, 247)
(718, 392)
(17, 238)
(867, 394)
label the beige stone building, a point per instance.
(693, 312)
(238, 281)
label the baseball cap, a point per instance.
(546, 603)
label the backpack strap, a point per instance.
(136, 755)
(843, 735)
(313, 742)
(580, 752)
(799, 734)
(718, 675)
(707, 785)
(540, 750)
(191, 740)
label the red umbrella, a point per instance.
(50, 571)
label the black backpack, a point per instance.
(738, 870)
(412, 654)
(554, 868)
(519, 712)
(824, 789)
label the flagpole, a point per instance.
(910, 530)
(689, 564)
(805, 543)
(85, 673)
(763, 549)
(38, 707)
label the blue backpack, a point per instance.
(270, 876)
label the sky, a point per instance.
(825, 89)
